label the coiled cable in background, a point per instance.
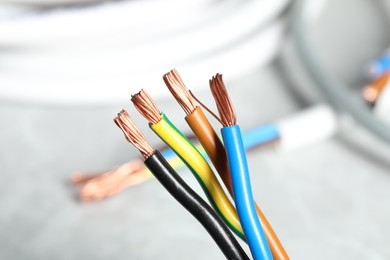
(70, 54)
(336, 91)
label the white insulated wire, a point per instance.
(307, 127)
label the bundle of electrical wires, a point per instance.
(187, 197)
(244, 217)
(168, 133)
(215, 149)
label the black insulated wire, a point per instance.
(194, 204)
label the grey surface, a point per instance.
(326, 201)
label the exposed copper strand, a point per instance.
(80, 178)
(146, 106)
(222, 100)
(205, 107)
(179, 91)
(133, 134)
(113, 181)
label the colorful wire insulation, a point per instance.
(243, 193)
(252, 138)
(239, 172)
(95, 186)
(214, 148)
(176, 186)
(201, 170)
(191, 201)
(217, 154)
(378, 67)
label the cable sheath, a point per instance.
(194, 204)
(243, 193)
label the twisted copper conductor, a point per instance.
(222, 100)
(184, 97)
(176, 86)
(133, 134)
(146, 106)
(97, 186)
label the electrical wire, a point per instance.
(239, 171)
(378, 67)
(372, 91)
(98, 186)
(260, 135)
(167, 132)
(176, 186)
(216, 150)
(336, 91)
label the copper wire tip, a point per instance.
(222, 100)
(133, 134)
(179, 91)
(146, 106)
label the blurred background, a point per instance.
(68, 66)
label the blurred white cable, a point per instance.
(131, 18)
(229, 29)
(117, 86)
(84, 23)
(93, 54)
(307, 127)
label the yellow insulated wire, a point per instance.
(202, 171)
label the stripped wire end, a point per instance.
(133, 134)
(146, 106)
(179, 91)
(222, 100)
(98, 186)
(184, 97)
